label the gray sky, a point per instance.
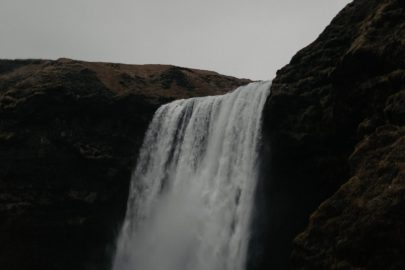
(250, 39)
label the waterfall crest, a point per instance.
(192, 191)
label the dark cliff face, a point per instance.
(69, 136)
(334, 137)
(336, 116)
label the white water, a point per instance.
(192, 190)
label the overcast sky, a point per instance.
(242, 38)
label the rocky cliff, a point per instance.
(332, 192)
(69, 134)
(335, 135)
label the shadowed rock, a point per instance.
(69, 136)
(336, 116)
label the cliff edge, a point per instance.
(69, 136)
(335, 133)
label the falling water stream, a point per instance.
(192, 191)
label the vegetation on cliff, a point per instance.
(336, 116)
(69, 136)
(334, 142)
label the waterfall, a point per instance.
(192, 191)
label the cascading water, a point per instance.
(192, 190)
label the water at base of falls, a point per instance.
(192, 190)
